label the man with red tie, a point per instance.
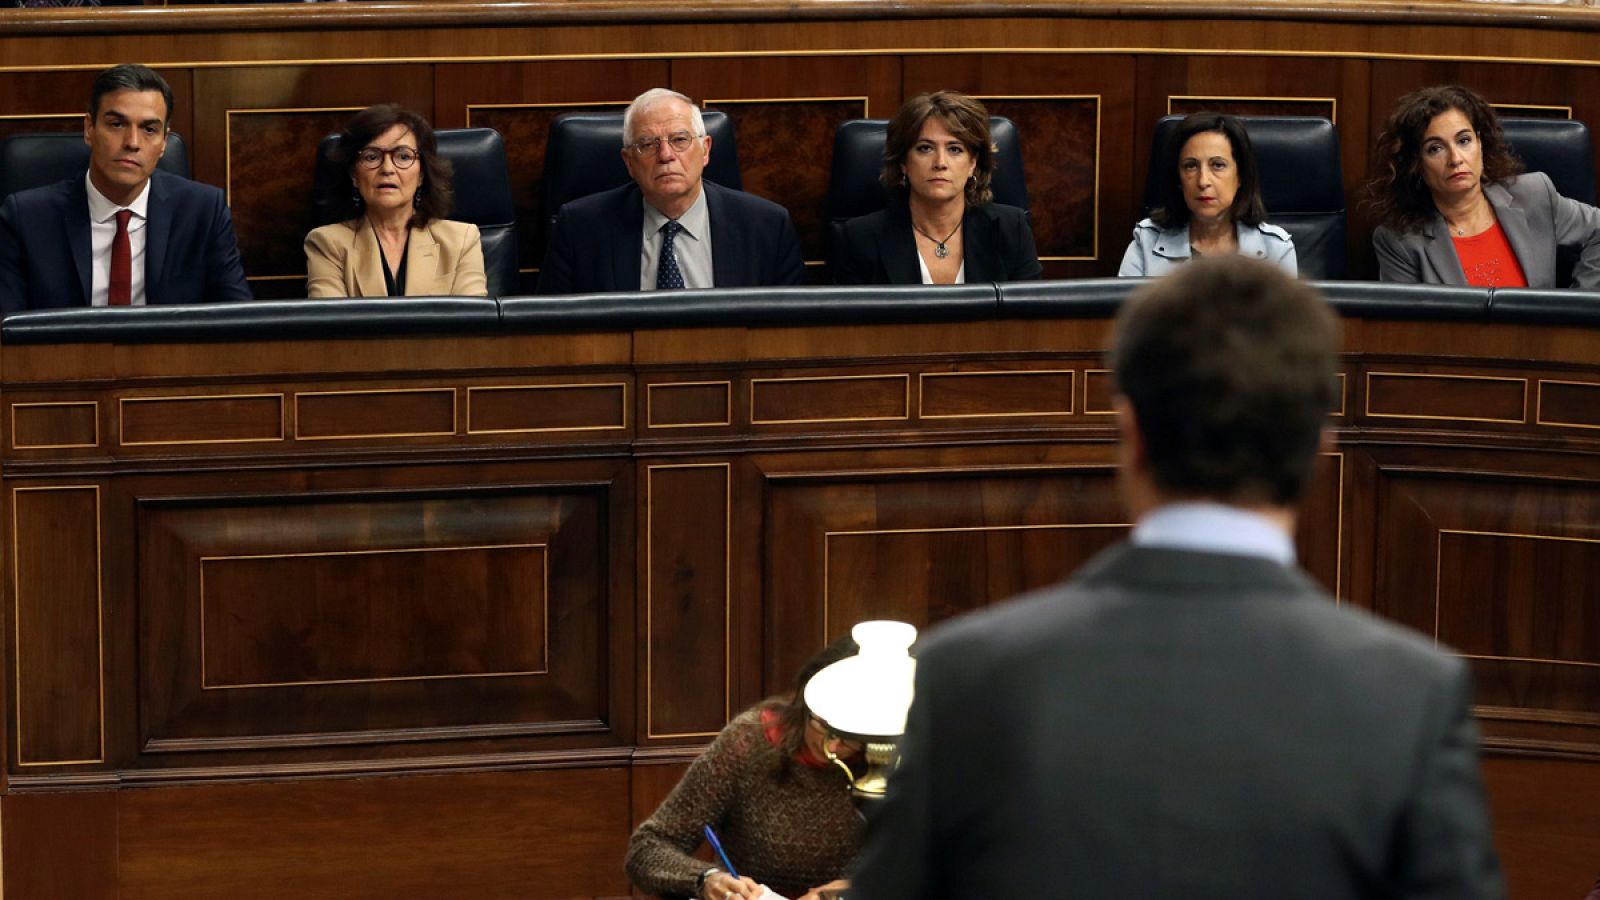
(123, 234)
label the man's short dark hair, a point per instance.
(129, 77)
(1230, 367)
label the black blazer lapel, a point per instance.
(730, 256)
(627, 239)
(158, 228)
(75, 219)
(897, 249)
(981, 247)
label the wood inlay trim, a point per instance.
(54, 404)
(1438, 588)
(1333, 102)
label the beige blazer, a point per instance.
(444, 258)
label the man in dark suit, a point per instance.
(123, 233)
(1189, 716)
(670, 228)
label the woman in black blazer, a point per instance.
(940, 226)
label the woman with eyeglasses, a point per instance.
(391, 238)
(939, 226)
(1210, 203)
(765, 786)
(1456, 208)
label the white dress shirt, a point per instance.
(692, 246)
(103, 230)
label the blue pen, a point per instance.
(721, 853)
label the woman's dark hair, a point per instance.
(1173, 212)
(793, 714)
(1398, 194)
(967, 121)
(433, 195)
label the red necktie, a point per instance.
(120, 292)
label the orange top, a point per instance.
(1488, 261)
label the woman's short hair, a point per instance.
(1398, 193)
(433, 195)
(1172, 211)
(964, 117)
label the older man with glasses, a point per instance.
(670, 228)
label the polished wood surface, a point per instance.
(366, 586)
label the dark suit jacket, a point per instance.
(882, 249)
(1179, 724)
(1535, 219)
(190, 252)
(596, 242)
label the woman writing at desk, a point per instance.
(782, 810)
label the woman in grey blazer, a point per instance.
(1457, 209)
(1210, 204)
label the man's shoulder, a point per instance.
(169, 188)
(743, 203)
(601, 204)
(48, 196)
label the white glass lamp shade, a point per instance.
(866, 696)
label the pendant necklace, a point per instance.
(940, 251)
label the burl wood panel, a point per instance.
(786, 155)
(270, 196)
(1061, 148)
(214, 419)
(61, 846)
(830, 398)
(1503, 570)
(1255, 106)
(689, 404)
(1465, 398)
(688, 607)
(1572, 404)
(352, 616)
(46, 426)
(56, 612)
(558, 833)
(547, 407)
(979, 394)
(331, 415)
(263, 619)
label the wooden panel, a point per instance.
(214, 419)
(46, 426)
(1098, 388)
(1548, 840)
(61, 845)
(1569, 403)
(1522, 599)
(693, 404)
(688, 607)
(830, 398)
(322, 415)
(1464, 398)
(377, 615)
(56, 101)
(347, 619)
(546, 834)
(1324, 107)
(547, 407)
(55, 560)
(978, 394)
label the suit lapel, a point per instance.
(158, 228)
(627, 235)
(76, 221)
(728, 247)
(898, 249)
(1440, 252)
(979, 247)
(1514, 224)
(366, 262)
(422, 264)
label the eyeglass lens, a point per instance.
(404, 157)
(678, 142)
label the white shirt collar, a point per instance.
(101, 210)
(1213, 528)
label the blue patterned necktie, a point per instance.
(668, 277)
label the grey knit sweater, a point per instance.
(790, 833)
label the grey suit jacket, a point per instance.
(1536, 221)
(1172, 723)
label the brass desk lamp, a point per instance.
(865, 698)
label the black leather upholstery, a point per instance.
(1301, 185)
(1086, 298)
(750, 307)
(1371, 300)
(482, 188)
(35, 160)
(853, 186)
(583, 156)
(1561, 149)
(1544, 307)
(261, 320)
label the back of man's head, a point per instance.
(1229, 365)
(129, 77)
